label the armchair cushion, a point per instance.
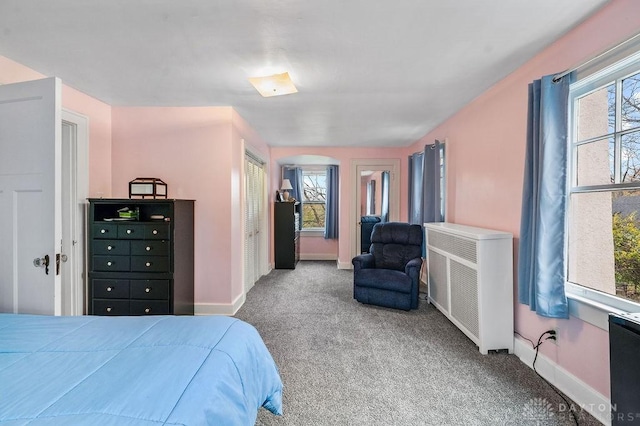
(385, 279)
(395, 244)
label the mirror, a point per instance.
(386, 201)
(374, 203)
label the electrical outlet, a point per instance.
(556, 335)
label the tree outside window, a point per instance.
(314, 198)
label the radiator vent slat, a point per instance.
(463, 248)
(464, 296)
(438, 278)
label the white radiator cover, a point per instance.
(470, 277)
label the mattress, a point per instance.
(147, 370)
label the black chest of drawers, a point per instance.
(286, 221)
(142, 266)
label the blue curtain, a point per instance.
(541, 261)
(294, 174)
(431, 197)
(384, 195)
(416, 169)
(331, 208)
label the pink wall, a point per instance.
(344, 156)
(190, 149)
(98, 113)
(317, 248)
(485, 154)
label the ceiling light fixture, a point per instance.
(274, 85)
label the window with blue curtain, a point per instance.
(541, 259)
(331, 218)
(426, 184)
(416, 169)
(317, 189)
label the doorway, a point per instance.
(362, 169)
(75, 190)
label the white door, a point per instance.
(254, 220)
(30, 215)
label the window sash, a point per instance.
(613, 74)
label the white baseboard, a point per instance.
(582, 394)
(319, 256)
(345, 265)
(228, 309)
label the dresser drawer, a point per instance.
(111, 263)
(110, 289)
(130, 231)
(104, 230)
(150, 289)
(158, 231)
(110, 307)
(111, 247)
(149, 307)
(150, 247)
(150, 263)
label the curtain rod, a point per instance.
(595, 58)
(432, 146)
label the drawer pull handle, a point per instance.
(109, 309)
(148, 248)
(155, 232)
(109, 263)
(109, 248)
(129, 231)
(108, 288)
(148, 264)
(103, 231)
(147, 290)
(147, 310)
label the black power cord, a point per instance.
(550, 335)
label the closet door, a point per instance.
(255, 231)
(30, 194)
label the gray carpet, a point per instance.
(345, 363)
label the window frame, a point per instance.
(591, 305)
(316, 231)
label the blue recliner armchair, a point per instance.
(389, 274)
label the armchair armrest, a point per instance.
(363, 261)
(413, 267)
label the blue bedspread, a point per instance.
(134, 371)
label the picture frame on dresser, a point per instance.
(142, 266)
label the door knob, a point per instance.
(42, 262)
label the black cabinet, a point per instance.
(286, 221)
(141, 265)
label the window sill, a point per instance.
(312, 233)
(594, 307)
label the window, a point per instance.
(603, 245)
(314, 198)
(417, 192)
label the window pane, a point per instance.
(314, 189)
(313, 215)
(596, 113)
(595, 162)
(630, 157)
(630, 114)
(604, 242)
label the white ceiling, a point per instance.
(369, 73)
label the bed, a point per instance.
(148, 370)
